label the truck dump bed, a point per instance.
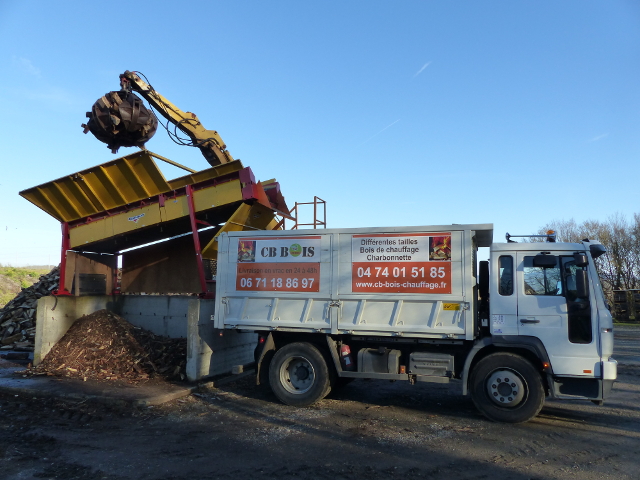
(396, 281)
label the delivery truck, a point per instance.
(415, 304)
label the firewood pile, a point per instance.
(104, 346)
(18, 317)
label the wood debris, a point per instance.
(104, 346)
(18, 317)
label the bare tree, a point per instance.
(620, 267)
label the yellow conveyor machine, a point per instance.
(127, 203)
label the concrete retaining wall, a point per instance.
(209, 351)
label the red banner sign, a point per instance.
(401, 263)
(404, 277)
(278, 277)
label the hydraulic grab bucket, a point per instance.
(120, 119)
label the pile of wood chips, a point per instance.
(104, 346)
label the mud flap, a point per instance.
(269, 346)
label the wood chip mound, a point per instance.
(104, 346)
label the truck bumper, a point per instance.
(609, 375)
(595, 389)
(609, 369)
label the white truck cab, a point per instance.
(550, 294)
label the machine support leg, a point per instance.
(63, 259)
(196, 241)
(116, 288)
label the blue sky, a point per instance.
(396, 113)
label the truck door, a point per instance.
(549, 308)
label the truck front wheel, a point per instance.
(507, 388)
(299, 375)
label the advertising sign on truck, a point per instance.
(279, 264)
(402, 263)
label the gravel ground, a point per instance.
(368, 429)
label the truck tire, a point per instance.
(507, 388)
(299, 375)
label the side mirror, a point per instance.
(597, 250)
(582, 284)
(580, 259)
(545, 261)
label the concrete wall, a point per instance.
(209, 351)
(54, 316)
(162, 314)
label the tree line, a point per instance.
(619, 268)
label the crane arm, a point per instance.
(208, 141)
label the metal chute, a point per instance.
(120, 119)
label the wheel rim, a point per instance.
(297, 375)
(506, 388)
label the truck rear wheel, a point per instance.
(299, 375)
(507, 388)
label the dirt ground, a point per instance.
(369, 429)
